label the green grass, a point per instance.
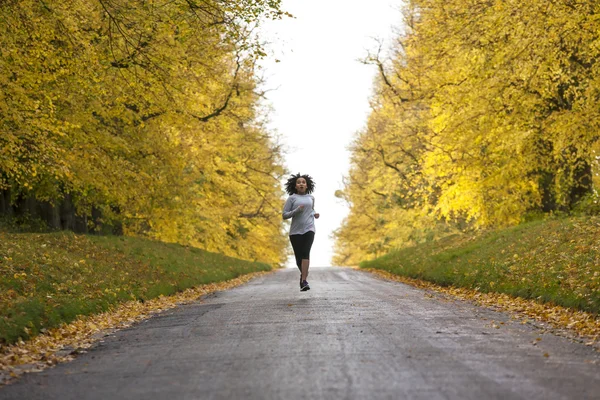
(556, 260)
(50, 278)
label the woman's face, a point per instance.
(301, 185)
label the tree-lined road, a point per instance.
(352, 336)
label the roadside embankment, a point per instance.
(48, 279)
(555, 262)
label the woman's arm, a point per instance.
(288, 212)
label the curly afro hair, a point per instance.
(290, 185)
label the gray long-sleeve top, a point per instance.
(302, 220)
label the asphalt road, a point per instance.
(353, 336)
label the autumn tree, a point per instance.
(141, 115)
(505, 94)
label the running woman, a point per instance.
(300, 207)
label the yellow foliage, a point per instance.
(146, 111)
(485, 112)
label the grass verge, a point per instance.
(47, 279)
(64, 343)
(554, 261)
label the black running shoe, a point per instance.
(304, 286)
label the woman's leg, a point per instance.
(308, 239)
(297, 241)
(304, 269)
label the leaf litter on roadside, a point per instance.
(584, 325)
(65, 342)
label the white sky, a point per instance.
(322, 91)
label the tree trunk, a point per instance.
(547, 191)
(582, 182)
(5, 206)
(81, 225)
(67, 213)
(50, 214)
(96, 221)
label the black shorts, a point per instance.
(301, 245)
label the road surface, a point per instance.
(352, 336)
